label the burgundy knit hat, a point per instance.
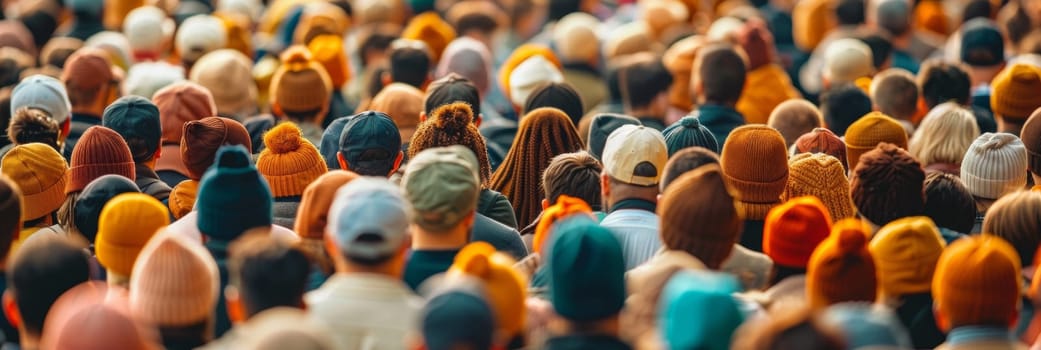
(822, 140)
(100, 151)
(888, 184)
(203, 137)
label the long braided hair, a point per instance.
(544, 133)
(452, 124)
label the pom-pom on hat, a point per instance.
(289, 162)
(300, 85)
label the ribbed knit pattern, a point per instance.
(822, 140)
(977, 281)
(994, 165)
(544, 133)
(289, 162)
(300, 84)
(888, 184)
(689, 132)
(821, 176)
(181, 103)
(793, 230)
(39, 172)
(202, 138)
(1031, 137)
(232, 196)
(100, 151)
(1016, 92)
(842, 269)
(182, 198)
(126, 223)
(698, 216)
(755, 165)
(906, 252)
(452, 124)
(174, 283)
(312, 215)
(870, 130)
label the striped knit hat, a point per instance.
(994, 165)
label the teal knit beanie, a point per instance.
(586, 269)
(233, 197)
(688, 132)
(697, 310)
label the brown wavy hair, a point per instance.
(452, 124)
(544, 133)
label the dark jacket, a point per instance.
(499, 139)
(149, 183)
(752, 235)
(80, 124)
(719, 119)
(502, 237)
(219, 250)
(916, 314)
(984, 116)
(497, 207)
(586, 342)
(85, 26)
(171, 178)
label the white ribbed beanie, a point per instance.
(994, 165)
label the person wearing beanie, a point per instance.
(1031, 137)
(403, 103)
(867, 326)
(687, 301)
(1014, 94)
(578, 47)
(197, 36)
(587, 293)
(174, 286)
(312, 218)
(791, 233)
(821, 140)
(431, 29)
(794, 118)
(453, 124)
(976, 293)
(634, 159)
(543, 134)
(368, 235)
(136, 119)
(370, 145)
(233, 197)
(179, 104)
(717, 84)
(688, 132)
(601, 126)
(300, 92)
(125, 225)
(100, 152)
(288, 163)
(471, 60)
(505, 288)
(940, 141)
(457, 318)
(199, 144)
(887, 184)
(822, 176)
(39, 172)
(216, 71)
(37, 274)
(698, 216)
(994, 165)
(47, 94)
(93, 200)
(562, 96)
(149, 32)
(842, 269)
(755, 166)
(453, 88)
(845, 61)
(91, 85)
(768, 83)
(906, 252)
(572, 174)
(1017, 218)
(870, 130)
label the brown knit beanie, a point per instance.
(842, 268)
(1031, 137)
(40, 174)
(822, 140)
(821, 176)
(289, 162)
(300, 85)
(312, 217)
(888, 184)
(175, 282)
(202, 138)
(870, 130)
(755, 165)
(544, 133)
(1016, 217)
(452, 124)
(698, 216)
(100, 151)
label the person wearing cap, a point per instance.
(634, 160)
(1015, 94)
(586, 260)
(91, 87)
(46, 94)
(982, 51)
(370, 145)
(39, 172)
(717, 84)
(136, 119)
(368, 235)
(38, 274)
(976, 293)
(178, 104)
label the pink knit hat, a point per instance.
(174, 283)
(178, 104)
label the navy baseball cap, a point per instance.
(136, 119)
(370, 143)
(981, 43)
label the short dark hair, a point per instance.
(267, 272)
(642, 81)
(686, 160)
(41, 271)
(881, 48)
(574, 174)
(560, 8)
(449, 89)
(476, 22)
(378, 38)
(722, 71)
(948, 203)
(976, 9)
(850, 12)
(409, 64)
(843, 105)
(942, 82)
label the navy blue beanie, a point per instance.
(233, 197)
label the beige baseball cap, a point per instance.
(636, 155)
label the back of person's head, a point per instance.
(948, 203)
(285, 328)
(95, 316)
(370, 144)
(452, 124)
(942, 82)
(468, 58)
(906, 251)
(867, 132)
(266, 273)
(1016, 93)
(1031, 136)
(643, 81)
(843, 105)
(368, 221)
(562, 96)
(698, 216)
(887, 184)
(450, 89)
(136, 119)
(944, 135)
(202, 138)
(850, 12)
(1016, 217)
(689, 132)
(175, 284)
(30, 125)
(506, 287)
(720, 72)
(458, 318)
(575, 39)
(891, 16)
(895, 93)
(560, 8)
(698, 310)
(793, 230)
(409, 62)
(684, 161)
(994, 165)
(300, 88)
(573, 174)
(978, 9)
(755, 165)
(403, 103)
(822, 176)
(977, 283)
(233, 184)
(795, 330)
(794, 118)
(881, 48)
(39, 272)
(375, 40)
(125, 225)
(442, 186)
(981, 44)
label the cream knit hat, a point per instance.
(994, 165)
(175, 282)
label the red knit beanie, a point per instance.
(100, 151)
(794, 229)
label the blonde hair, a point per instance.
(944, 135)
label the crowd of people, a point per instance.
(520, 174)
